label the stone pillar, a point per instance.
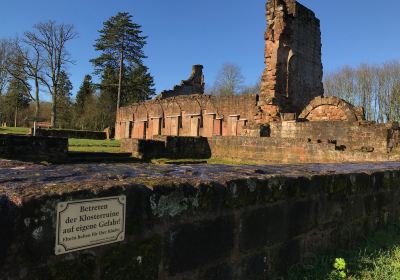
(293, 73)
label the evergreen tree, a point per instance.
(85, 92)
(15, 100)
(121, 45)
(140, 85)
(64, 103)
(108, 96)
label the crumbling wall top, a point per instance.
(193, 85)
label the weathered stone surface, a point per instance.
(196, 115)
(193, 221)
(331, 109)
(293, 73)
(193, 245)
(351, 136)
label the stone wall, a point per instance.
(293, 73)
(382, 138)
(287, 150)
(196, 115)
(143, 149)
(235, 223)
(301, 144)
(35, 149)
(69, 133)
(169, 147)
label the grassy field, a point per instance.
(98, 146)
(376, 258)
(14, 130)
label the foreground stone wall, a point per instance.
(235, 223)
(35, 149)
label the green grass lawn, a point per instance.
(98, 146)
(376, 258)
(14, 130)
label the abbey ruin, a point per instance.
(290, 120)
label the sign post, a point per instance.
(35, 120)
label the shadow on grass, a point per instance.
(376, 257)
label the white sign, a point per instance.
(83, 224)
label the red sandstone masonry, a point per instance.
(277, 150)
(293, 73)
(196, 115)
(354, 136)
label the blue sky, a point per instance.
(212, 32)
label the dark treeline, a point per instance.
(37, 63)
(376, 88)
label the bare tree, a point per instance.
(364, 87)
(51, 39)
(33, 59)
(229, 80)
(25, 60)
(376, 88)
(252, 89)
(3, 64)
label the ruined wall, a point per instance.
(248, 225)
(168, 147)
(289, 144)
(35, 149)
(194, 85)
(266, 150)
(196, 115)
(293, 73)
(331, 109)
(349, 136)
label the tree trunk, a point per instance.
(121, 65)
(37, 106)
(15, 116)
(54, 108)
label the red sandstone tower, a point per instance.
(293, 73)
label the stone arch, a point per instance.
(155, 109)
(210, 107)
(172, 108)
(141, 112)
(331, 109)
